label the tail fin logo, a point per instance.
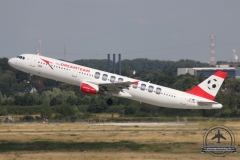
(212, 84)
(208, 88)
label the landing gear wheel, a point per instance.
(30, 78)
(109, 101)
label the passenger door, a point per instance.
(33, 61)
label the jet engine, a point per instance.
(88, 88)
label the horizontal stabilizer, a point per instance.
(204, 103)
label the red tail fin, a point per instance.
(209, 88)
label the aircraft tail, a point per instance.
(209, 87)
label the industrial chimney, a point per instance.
(113, 63)
(108, 63)
(119, 64)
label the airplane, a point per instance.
(92, 81)
(218, 136)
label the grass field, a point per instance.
(88, 141)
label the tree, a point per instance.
(131, 110)
(46, 112)
(66, 110)
(185, 82)
(3, 111)
(45, 98)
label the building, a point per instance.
(30, 89)
(232, 70)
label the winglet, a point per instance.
(136, 82)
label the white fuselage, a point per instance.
(74, 74)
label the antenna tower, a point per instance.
(39, 47)
(212, 45)
(235, 56)
(64, 53)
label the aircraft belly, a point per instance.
(58, 76)
(154, 99)
(162, 100)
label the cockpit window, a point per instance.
(21, 57)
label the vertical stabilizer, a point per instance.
(209, 88)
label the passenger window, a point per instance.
(150, 89)
(143, 87)
(120, 80)
(112, 79)
(158, 90)
(135, 86)
(97, 75)
(104, 77)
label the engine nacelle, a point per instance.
(88, 88)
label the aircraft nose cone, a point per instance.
(11, 62)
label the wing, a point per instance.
(214, 137)
(222, 137)
(116, 87)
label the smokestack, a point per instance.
(108, 63)
(113, 63)
(119, 64)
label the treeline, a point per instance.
(49, 100)
(56, 100)
(142, 64)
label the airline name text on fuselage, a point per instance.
(75, 67)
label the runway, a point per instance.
(145, 124)
(133, 127)
(104, 128)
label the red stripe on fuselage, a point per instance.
(197, 91)
(221, 74)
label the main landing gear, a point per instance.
(109, 102)
(30, 78)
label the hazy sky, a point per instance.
(90, 29)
